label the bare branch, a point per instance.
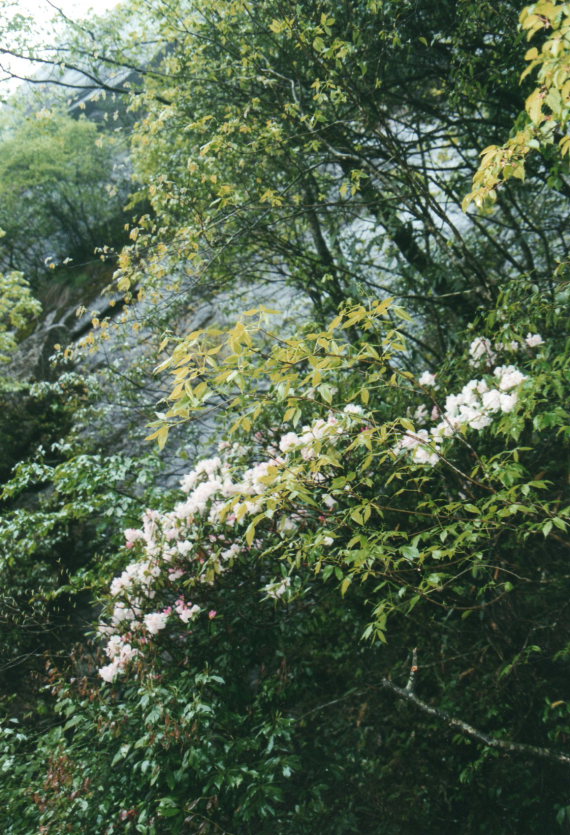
(96, 82)
(468, 730)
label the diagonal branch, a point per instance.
(96, 82)
(464, 728)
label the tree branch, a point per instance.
(464, 728)
(96, 83)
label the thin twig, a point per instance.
(413, 671)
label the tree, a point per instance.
(330, 146)
(63, 186)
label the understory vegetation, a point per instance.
(285, 427)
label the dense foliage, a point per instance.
(348, 612)
(17, 308)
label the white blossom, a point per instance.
(492, 400)
(481, 348)
(278, 588)
(509, 377)
(421, 414)
(509, 401)
(155, 621)
(231, 552)
(533, 340)
(427, 379)
(353, 409)
(289, 441)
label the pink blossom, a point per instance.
(110, 671)
(186, 612)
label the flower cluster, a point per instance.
(121, 653)
(474, 407)
(482, 349)
(318, 431)
(190, 546)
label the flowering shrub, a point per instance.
(297, 497)
(234, 665)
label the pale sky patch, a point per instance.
(45, 17)
(76, 9)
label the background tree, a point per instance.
(64, 183)
(330, 146)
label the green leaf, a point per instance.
(410, 552)
(546, 528)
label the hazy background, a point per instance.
(44, 19)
